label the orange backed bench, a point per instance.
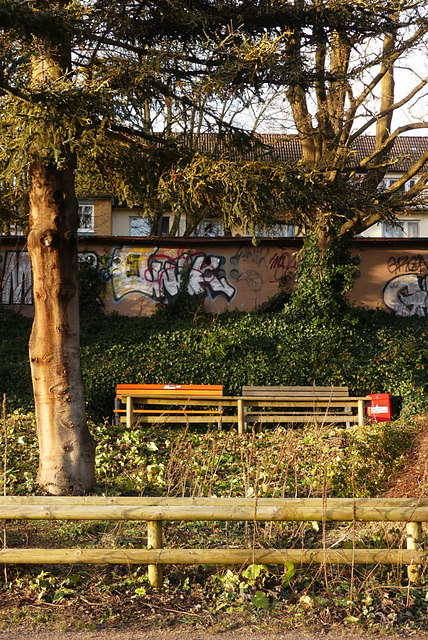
(175, 403)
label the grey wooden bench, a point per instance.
(283, 404)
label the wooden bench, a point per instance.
(168, 403)
(203, 404)
(302, 405)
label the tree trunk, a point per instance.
(67, 450)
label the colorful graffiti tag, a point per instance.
(407, 294)
(16, 281)
(158, 275)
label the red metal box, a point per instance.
(380, 409)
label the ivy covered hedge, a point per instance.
(370, 352)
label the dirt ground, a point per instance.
(412, 478)
(134, 633)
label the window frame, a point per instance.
(402, 228)
(87, 230)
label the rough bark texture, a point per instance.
(67, 450)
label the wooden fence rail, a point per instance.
(156, 510)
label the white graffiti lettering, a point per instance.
(407, 294)
(158, 276)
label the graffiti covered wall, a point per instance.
(406, 292)
(227, 276)
(16, 280)
(394, 275)
(227, 273)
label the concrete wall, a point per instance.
(121, 220)
(120, 225)
(231, 273)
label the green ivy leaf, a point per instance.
(260, 600)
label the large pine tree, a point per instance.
(78, 82)
(90, 85)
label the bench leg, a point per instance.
(116, 415)
(129, 412)
(361, 413)
(241, 416)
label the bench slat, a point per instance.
(182, 419)
(306, 392)
(299, 418)
(188, 390)
(216, 412)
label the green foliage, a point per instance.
(245, 194)
(92, 285)
(278, 301)
(370, 352)
(164, 460)
(324, 275)
(327, 461)
(15, 379)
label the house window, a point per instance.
(165, 226)
(276, 231)
(86, 218)
(209, 229)
(143, 226)
(413, 229)
(403, 229)
(388, 182)
(284, 231)
(139, 226)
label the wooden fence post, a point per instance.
(154, 541)
(414, 536)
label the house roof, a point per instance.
(404, 153)
(287, 148)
